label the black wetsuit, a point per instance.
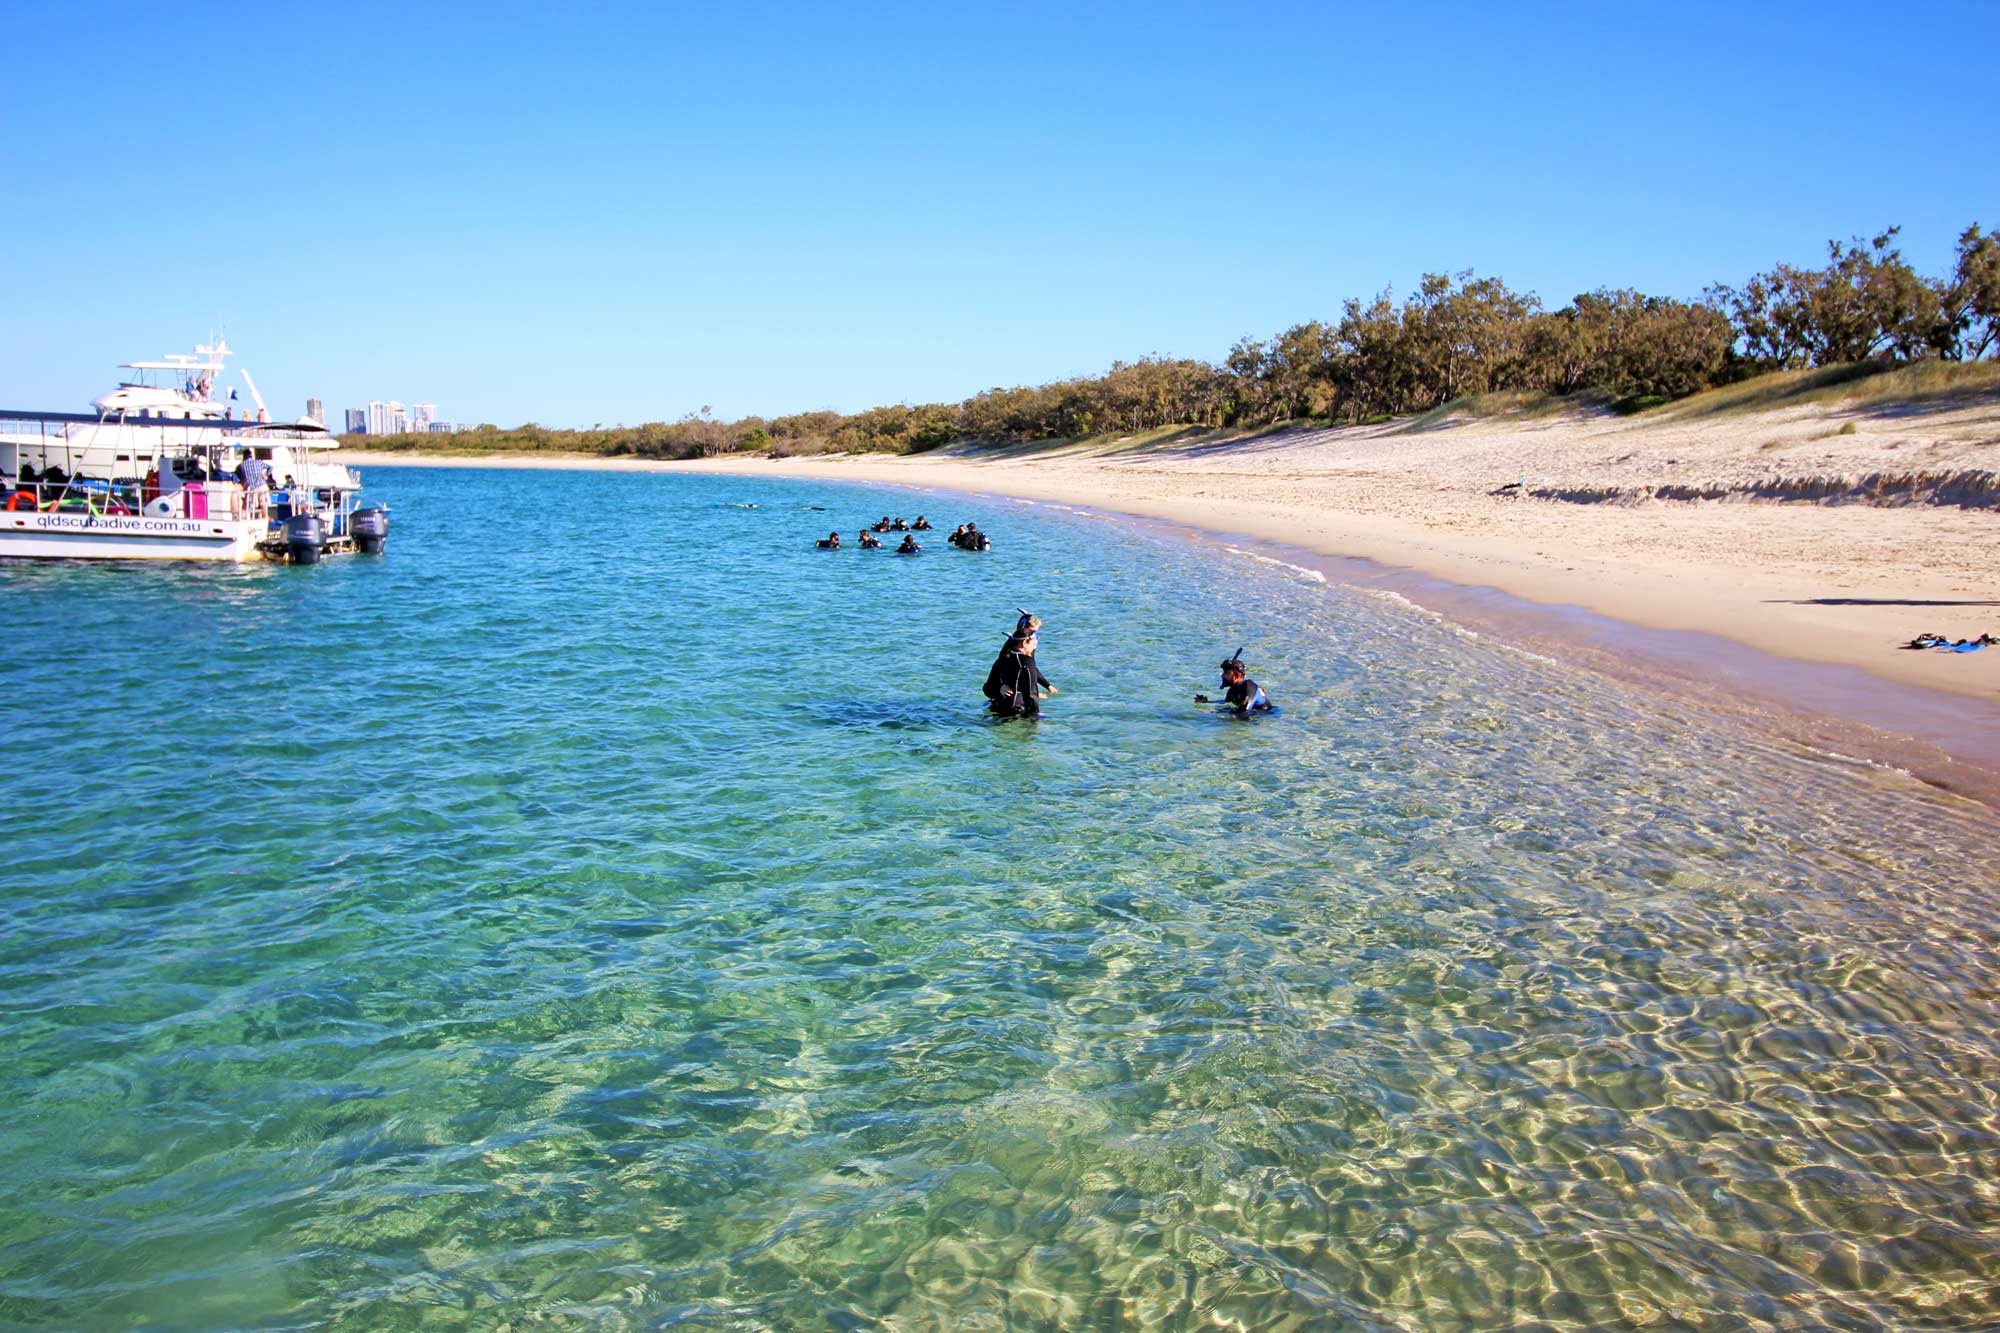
(1247, 696)
(1013, 682)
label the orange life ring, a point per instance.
(20, 500)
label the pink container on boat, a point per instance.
(197, 499)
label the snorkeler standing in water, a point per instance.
(1013, 685)
(1240, 692)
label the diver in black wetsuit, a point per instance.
(832, 542)
(909, 546)
(869, 541)
(1240, 692)
(1013, 685)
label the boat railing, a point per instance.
(332, 506)
(213, 498)
(194, 499)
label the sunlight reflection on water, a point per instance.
(641, 923)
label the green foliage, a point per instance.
(1969, 311)
(1459, 345)
(1868, 302)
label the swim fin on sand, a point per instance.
(1939, 643)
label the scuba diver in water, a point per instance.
(883, 526)
(1239, 692)
(1013, 685)
(921, 525)
(869, 541)
(832, 542)
(909, 546)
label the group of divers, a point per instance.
(966, 536)
(1016, 686)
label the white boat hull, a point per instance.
(83, 536)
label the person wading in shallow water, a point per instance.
(1013, 685)
(1240, 692)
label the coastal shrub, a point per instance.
(1787, 334)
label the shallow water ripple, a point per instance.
(641, 927)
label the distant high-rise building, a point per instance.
(439, 427)
(316, 410)
(387, 418)
(357, 421)
(424, 414)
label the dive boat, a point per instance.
(163, 468)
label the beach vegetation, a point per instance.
(1932, 384)
(1458, 345)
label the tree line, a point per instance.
(1455, 336)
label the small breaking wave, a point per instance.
(1309, 575)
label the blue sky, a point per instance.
(621, 213)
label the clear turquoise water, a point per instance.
(607, 912)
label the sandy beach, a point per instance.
(1832, 585)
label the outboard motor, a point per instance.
(370, 527)
(305, 538)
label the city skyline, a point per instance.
(392, 417)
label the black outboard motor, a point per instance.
(305, 538)
(370, 527)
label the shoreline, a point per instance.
(1823, 672)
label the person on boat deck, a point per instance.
(869, 541)
(1014, 684)
(921, 525)
(832, 542)
(909, 546)
(254, 473)
(1240, 692)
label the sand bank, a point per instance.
(1834, 586)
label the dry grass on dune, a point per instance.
(1929, 385)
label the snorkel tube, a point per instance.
(1231, 663)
